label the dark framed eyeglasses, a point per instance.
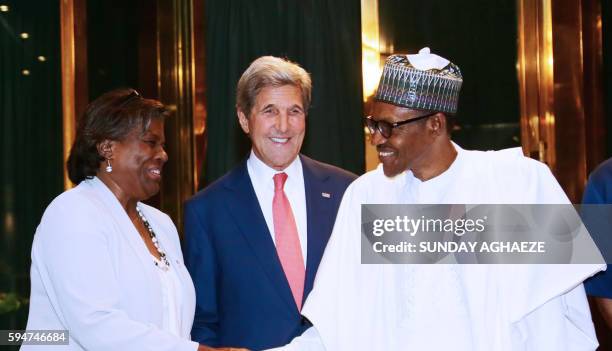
(386, 128)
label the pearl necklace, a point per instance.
(163, 262)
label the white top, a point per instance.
(93, 275)
(262, 178)
(356, 306)
(171, 303)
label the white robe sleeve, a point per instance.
(337, 304)
(71, 258)
(337, 275)
(561, 324)
(548, 308)
(310, 340)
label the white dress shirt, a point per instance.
(262, 179)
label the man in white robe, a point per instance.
(356, 306)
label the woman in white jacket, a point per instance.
(105, 266)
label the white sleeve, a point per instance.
(310, 340)
(563, 323)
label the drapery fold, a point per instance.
(30, 138)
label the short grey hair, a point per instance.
(270, 71)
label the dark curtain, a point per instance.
(323, 36)
(480, 36)
(31, 141)
(112, 45)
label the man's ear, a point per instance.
(244, 122)
(105, 149)
(437, 124)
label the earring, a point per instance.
(108, 168)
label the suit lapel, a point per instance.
(244, 206)
(318, 208)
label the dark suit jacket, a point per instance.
(243, 297)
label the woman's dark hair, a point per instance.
(112, 116)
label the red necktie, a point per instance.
(287, 240)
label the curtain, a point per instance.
(480, 36)
(112, 46)
(31, 140)
(323, 36)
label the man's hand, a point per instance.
(605, 308)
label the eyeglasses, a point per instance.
(386, 128)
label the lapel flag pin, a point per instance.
(326, 195)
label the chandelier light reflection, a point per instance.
(370, 47)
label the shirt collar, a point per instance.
(445, 176)
(262, 173)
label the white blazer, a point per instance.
(93, 275)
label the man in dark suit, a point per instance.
(254, 238)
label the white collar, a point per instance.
(262, 173)
(444, 177)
